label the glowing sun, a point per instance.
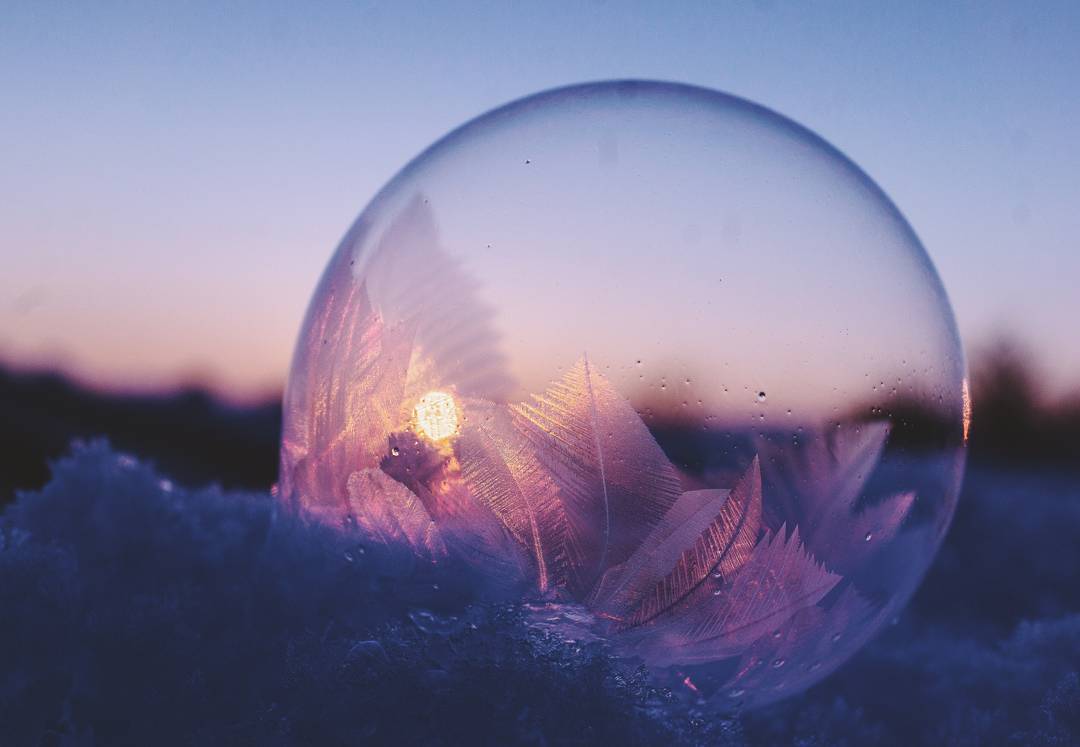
(436, 416)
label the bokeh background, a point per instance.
(174, 177)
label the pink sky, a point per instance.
(175, 180)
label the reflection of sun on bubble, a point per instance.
(436, 416)
(966, 394)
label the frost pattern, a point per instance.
(374, 347)
(615, 482)
(470, 529)
(780, 579)
(501, 469)
(706, 531)
(820, 483)
(412, 279)
(791, 657)
(567, 491)
(386, 509)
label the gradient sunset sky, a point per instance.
(175, 176)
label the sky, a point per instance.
(175, 176)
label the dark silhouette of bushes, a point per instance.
(197, 439)
(189, 435)
(1014, 422)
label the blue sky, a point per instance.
(175, 176)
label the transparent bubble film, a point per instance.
(654, 360)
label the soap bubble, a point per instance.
(651, 353)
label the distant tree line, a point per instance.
(199, 439)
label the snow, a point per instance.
(133, 610)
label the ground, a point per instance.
(133, 611)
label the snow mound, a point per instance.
(134, 611)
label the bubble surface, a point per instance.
(483, 373)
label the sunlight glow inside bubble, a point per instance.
(436, 416)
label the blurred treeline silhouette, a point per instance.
(190, 434)
(199, 439)
(1013, 422)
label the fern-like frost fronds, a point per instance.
(615, 481)
(778, 580)
(706, 531)
(501, 470)
(389, 511)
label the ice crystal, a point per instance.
(374, 349)
(502, 471)
(706, 531)
(567, 491)
(778, 580)
(570, 490)
(615, 482)
(821, 480)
